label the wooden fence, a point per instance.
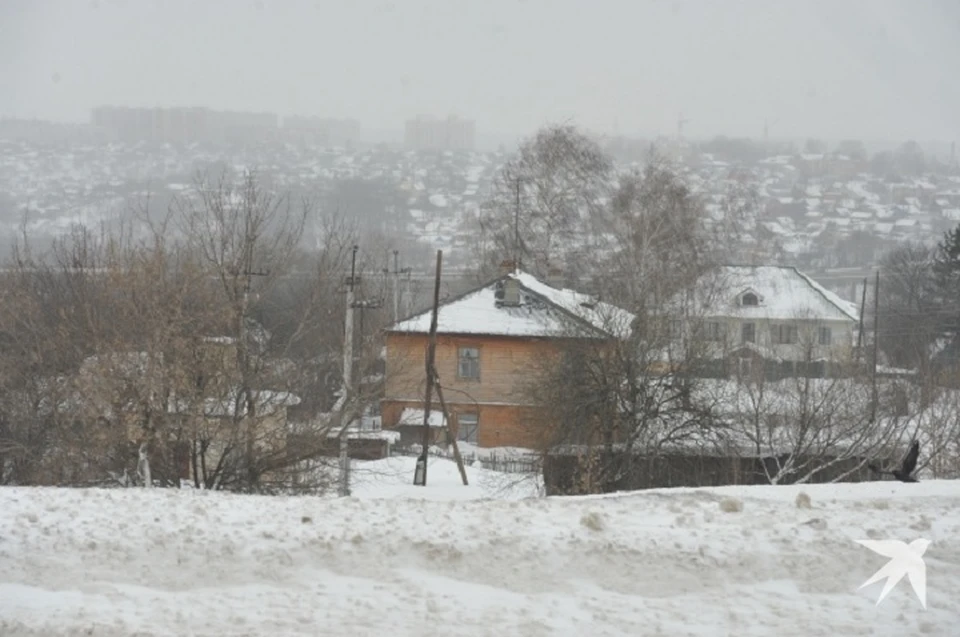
(568, 474)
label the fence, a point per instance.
(566, 474)
(503, 463)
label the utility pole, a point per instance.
(420, 475)
(397, 271)
(396, 286)
(876, 341)
(346, 409)
(408, 293)
(451, 438)
(863, 308)
(249, 409)
(245, 299)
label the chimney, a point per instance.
(508, 266)
(555, 278)
(511, 292)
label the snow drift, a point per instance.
(733, 560)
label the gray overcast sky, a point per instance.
(875, 69)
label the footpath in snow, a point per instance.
(484, 560)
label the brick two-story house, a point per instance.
(490, 341)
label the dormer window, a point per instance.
(749, 299)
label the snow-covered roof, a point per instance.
(543, 311)
(413, 416)
(784, 293)
(265, 402)
(121, 363)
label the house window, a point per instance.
(749, 300)
(467, 426)
(675, 329)
(468, 363)
(748, 333)
(783, 334)
(712, 331)
(825, 336)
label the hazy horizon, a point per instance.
(877, 70)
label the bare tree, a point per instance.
(621, 399)
(934, 420)
(246, 238)
(801, 428)
(545, 201)
(36, 353)
(133, 349)
(911, 315)
(657, 242)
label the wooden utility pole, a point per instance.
(420, 475)
(408, 293)
(451, 435)
(863, 308)
(397, 271)
(396, 286)
(245, 298)
(346, 409)
(433, 383)
(250, 408)
(876, 341)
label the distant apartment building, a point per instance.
(181, 124)
(431, 133)
(327, 131)
(240, 124)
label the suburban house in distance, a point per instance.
(773, 319)
(490, 341)
(201, 416)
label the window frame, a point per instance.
(753, 332)
(474, 428)
(784, 334)
(825, 330)
(474, 359)
(713, 331)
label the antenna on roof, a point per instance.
(516, 229)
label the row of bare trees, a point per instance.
(639, 411)
(201, 343)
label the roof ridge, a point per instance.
(578, 321)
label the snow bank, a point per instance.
(677, 562)
(393, 478)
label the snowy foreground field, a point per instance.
(456, 561)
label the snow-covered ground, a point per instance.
(452, 560)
